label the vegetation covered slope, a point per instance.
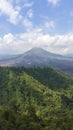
(50, 77)
(43, 95)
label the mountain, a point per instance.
(36, 86)
(32, 98)
(69, 55)
(39, 57)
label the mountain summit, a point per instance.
(37, 51)
(40, 52)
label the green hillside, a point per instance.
(36, 98)
(50, 77)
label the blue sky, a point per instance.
(36, 23)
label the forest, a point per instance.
(35, 98)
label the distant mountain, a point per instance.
(39, 57)
(69, 55)
(4, 58)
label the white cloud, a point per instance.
(30, 13)
(6, 7)
(27, 4)
(54, 2)
(49, 24)
(8, 38)
(27, 23)
(20, 43)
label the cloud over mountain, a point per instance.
(19, 43)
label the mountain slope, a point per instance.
(35, 98)
(40, 57)
(35, 56)
(21, 89)
(50, 77)
(16, 86)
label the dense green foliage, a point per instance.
(35, 98)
